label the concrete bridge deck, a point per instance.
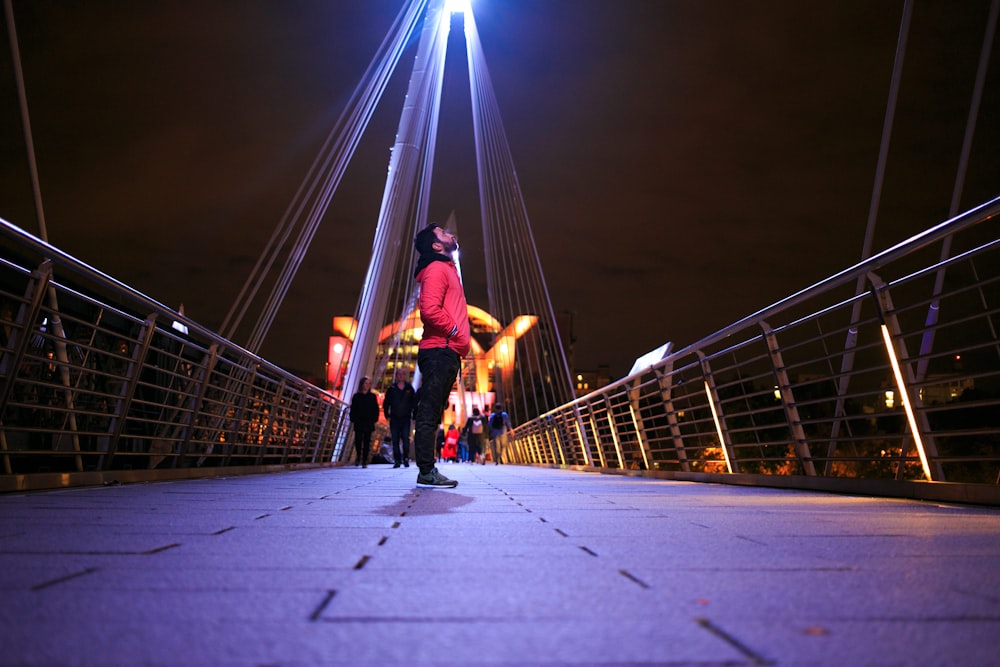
(517, 566)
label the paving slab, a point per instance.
(517, 566)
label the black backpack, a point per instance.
(496, 421)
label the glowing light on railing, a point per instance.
(890, 398)
(905, 400)
(638, 436)
(718, 427)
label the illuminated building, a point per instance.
(491, 359)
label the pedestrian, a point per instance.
(450, 450)
(474, 428)
(446, 339)
(398, 405)
(499, 425)
(364, 414)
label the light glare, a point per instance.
(905, 400)
(458, 7)
(718, 428)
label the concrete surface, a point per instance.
(516, 567)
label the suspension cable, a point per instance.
(313, 196)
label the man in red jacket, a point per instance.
(445, 341)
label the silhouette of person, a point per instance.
(499, 425)
(363, 414)
(446, 339)
(398, 406)
(474, 428)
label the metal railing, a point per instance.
(879, 378)
(99, 382)
(888, 371)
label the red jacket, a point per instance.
(450, 449)
(443, 310)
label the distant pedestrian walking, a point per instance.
(363, 414)
(474, 429)
(450, 450)
(398, 405)
(499, 425)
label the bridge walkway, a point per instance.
(517, 566)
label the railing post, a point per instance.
(271, 418)
(581, 436)
(21, 334)
(637, 422)
(535, 444)
(715, 405)
(665, 381)
(531, 449)
(614, 433)
(557, 445)
(307, 424)
(548, 440)
(295, 425)
(241, 401)
(843, 379)
(136, 360)
(341, 436)
(321, 438)
(600, 446)
(920, 429)
(788, 401)
(196, 403)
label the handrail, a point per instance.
(797, 393)
(88, 273)
(138, 391)
(800, 390)
(973, 216)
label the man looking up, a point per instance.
(445, 341)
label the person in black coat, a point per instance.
(364, 414)
(398, 406)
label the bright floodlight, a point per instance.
(458, 6)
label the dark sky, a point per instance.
(684, 163)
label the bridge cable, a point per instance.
(313, 196)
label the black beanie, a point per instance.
(425, 239)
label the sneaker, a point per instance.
(434, 479)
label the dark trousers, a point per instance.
(475, 445)
(362, 446)
(399, 430)
(438, 369)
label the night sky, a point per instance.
(684, 163)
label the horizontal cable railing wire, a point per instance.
(109, 385)
(798, 394)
